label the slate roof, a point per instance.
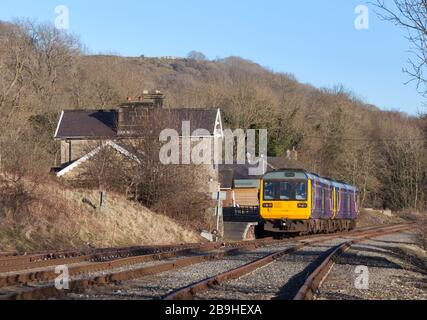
(93, 124)
(199, 118)
(87, 124)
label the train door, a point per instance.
(346, 204)
(313, 199)
(338, 196)
(323, 193)
(316, 200)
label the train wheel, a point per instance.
(313, 227)
(331, 228)
(259, 231)
(325, 227)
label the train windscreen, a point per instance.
(285, 190)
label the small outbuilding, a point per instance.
(241, 187)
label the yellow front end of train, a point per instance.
(285, 195)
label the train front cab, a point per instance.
(285, 201)
(295, 201)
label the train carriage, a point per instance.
(297, 201)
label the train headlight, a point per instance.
(302, 206)
(267, 205)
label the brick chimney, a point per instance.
(152, 99)
(131, 113)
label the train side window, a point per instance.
(313, 194)
(356, 202)
(316, 197)
(319, 197)
(327, 197)
(338, 200)
(349, 201)
(323, 198)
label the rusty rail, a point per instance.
(189, 291)
(318, 276)
(23, 264)
(50, 291)
(12, 262)
(17, 274)
(16, 261)
(79, 285)
(45, 275)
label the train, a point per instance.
(295, 201)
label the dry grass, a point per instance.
(128, 220)
(420, 218)
(376, 217)
(57, 218)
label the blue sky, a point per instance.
(313, 39)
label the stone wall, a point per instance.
(79, 148)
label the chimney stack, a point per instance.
(131, 113)
(147, 99)
(153, 99)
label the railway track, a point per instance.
(316, 278)
(310, 286)
(11, 262)
(97, 270)
(14, 263)
(214, 251)
(75, 269)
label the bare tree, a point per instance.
(43, 71)
(15, 49)
(178, 190)
(173, 189)
(196, 55)
(411, 15)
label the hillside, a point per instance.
(54, 217)
(335, 133)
